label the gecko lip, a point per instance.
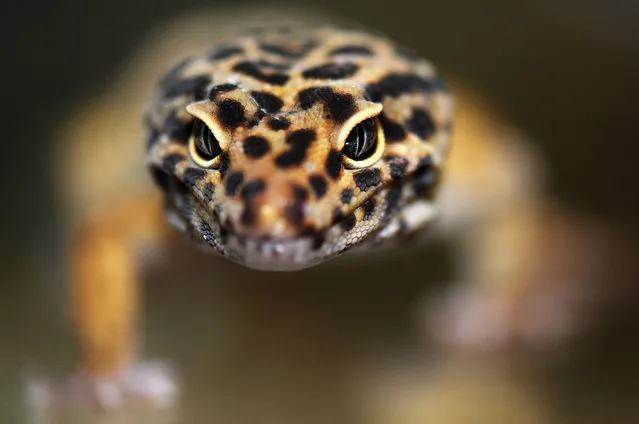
(273, 254)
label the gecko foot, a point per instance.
(140, 386)
(472, 320)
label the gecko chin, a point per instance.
(268, 254)
(260, 252)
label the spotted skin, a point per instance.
(281, 104)
(314, 207)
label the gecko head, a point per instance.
(277, 187)
(280, 169)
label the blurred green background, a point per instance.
(564, 71)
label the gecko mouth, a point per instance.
(258, 252)
(274, 254)
(269, 253)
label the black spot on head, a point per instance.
(318, 184)
(208, 192)
(421, 123)
(368, 178)
(301, 139)
(392, 130)
(393, 199)
(425, 177)
(231, 113)
(193, 175)
(252, 189)
(225, 52)
(169, 162)
(394, 85)
(369, 209)
(352, 49)
(331, 71)
(334, 164)
(290, 51)
(308, 97)
(253, 70)
(233, 182)
(267, 101)
(221, 88)
(256, 147)
(293, 157)
(397, 166)
(340, 106)
(349, 222)
(347, 196)
(194, 87)
(277, 124)
(225, 164)
(176, 129)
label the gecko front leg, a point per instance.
(518, 256)
(104, 301)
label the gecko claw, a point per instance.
(141, 386)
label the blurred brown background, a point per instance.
(564, 71)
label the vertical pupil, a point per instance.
(361, 140)
(206, 142)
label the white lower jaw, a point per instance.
(274, 255)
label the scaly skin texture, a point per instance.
(281, 103)
(272, 199)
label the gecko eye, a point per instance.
(203, 146)
(363, 144)
(361, 141)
